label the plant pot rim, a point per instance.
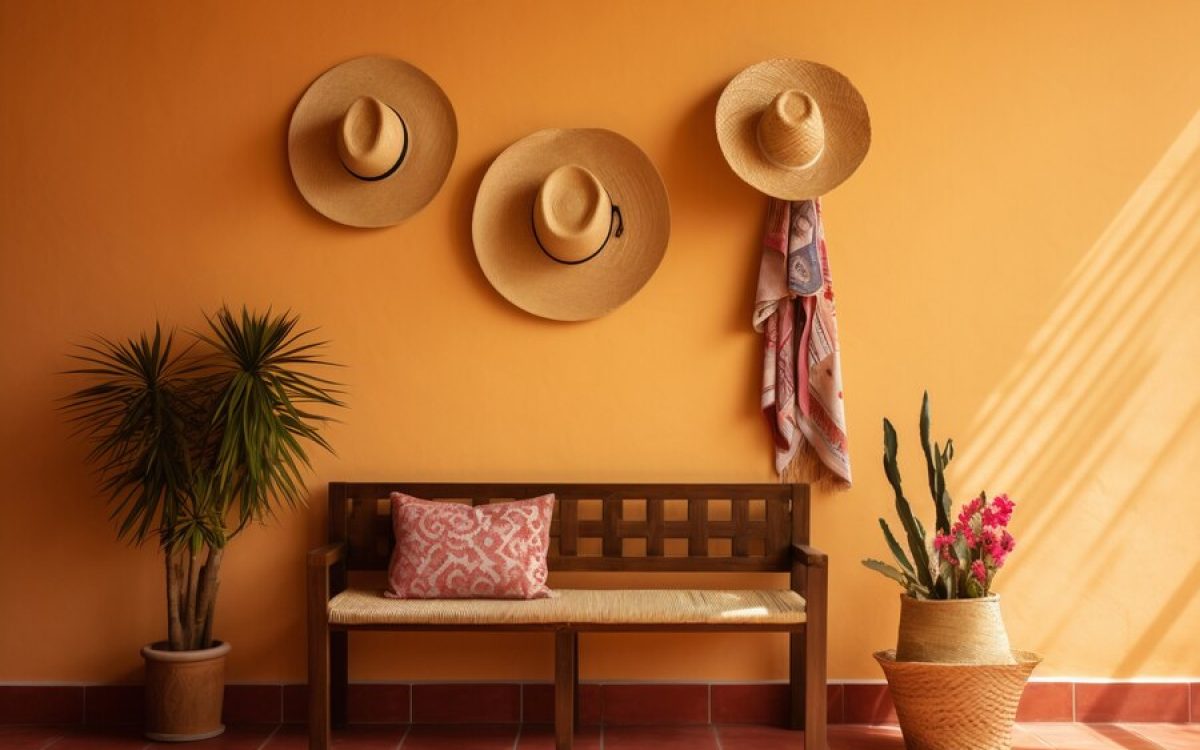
(160, 651)
(992, 597)
(1020, 658)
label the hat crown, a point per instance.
(572, 214)
(791, 131)
(372, 139)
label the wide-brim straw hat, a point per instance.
(570, 223)
(371, 141)
(793, 129)
(955, 706)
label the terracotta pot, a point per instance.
(184, 692)
(953, 631)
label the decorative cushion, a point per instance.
(452, 551)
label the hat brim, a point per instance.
(502, 226)
(312, 147)
(847, 127)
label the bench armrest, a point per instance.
(810, 556)
(326, 556)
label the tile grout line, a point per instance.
(517, 739)
(716, 736)
(267, 740)
(407, 729)
(1133, 730)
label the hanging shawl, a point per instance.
(802, 374)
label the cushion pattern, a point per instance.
(447, 550)
(579, 607)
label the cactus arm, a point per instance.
(935, 466)
(913, 529)
(897, 550)
(911, 585)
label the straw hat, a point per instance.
(371, 141)
(792, 129)
(569, 224)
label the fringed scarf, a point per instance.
(802, 373)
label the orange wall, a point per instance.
(1022, 240)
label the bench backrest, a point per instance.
(609, 527)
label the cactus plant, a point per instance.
(967, 554)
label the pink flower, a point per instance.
(980, 572)
(943, 544)
(999, 512)
(968, 510)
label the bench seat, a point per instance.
(580, 607)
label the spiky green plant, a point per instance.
(917, 575)
(194, 443)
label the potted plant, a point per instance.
(953, 677)
(193, 443)
(947, 584)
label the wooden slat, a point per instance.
(664, 564)
(698, 527)
(568, 529)
(654, 527)
(741, 527)
(799, 494)
(778, 526)
(613, 510)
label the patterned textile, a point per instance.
(802, 373)
(451, 551)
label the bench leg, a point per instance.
(339, 677)
(807, 668)
(575, 678)
(318, 677)
(566, 644)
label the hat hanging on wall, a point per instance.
(793, 129)
(570, 224)
(371, 141)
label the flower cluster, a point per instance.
(976, 546)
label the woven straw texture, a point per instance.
(502, 224)
(585, 606)
(954, 631)
(312, 151)
(847, 127)
(957, 706)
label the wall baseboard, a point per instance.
(601, 703)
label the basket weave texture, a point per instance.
(957, 706)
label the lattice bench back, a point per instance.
(644, 527)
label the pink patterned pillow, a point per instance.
(452, 551)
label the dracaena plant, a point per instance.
(195, 440)
(963, 557)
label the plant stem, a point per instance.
(206, 598)
(174, 624)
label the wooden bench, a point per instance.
(765, 528)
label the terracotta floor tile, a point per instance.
(541, 737)
(28, 738)
(1024, 738)
(476, 737)
(1072, 737)
(234, 738)
(1169, 736)
(749, 737)
(660, 738)
(859, 737)
(295, 737)
(103, 738)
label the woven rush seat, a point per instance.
(577, 606)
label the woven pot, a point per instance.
(953, 631)
(184, 692)
(956, 706)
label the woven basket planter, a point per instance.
(957, 706)
(952, 631)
